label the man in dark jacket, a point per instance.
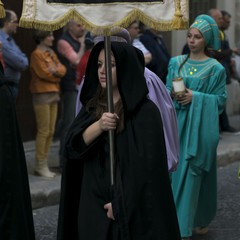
(153, 41)
(70, 48)
(224, 57)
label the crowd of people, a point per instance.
(165, 141)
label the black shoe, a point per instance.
(230, 129)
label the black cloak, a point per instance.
(142, 200)
(16, 220)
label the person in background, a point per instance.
(46, 71)
(224, 57)
(16, 218)
(142, 188)
(133, 30)
(153, 41)
(81, 68)
(194, 183)
(15, 60)
(70, 49)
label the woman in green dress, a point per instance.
(195, 181)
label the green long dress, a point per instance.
(195, 181)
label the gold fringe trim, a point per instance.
(106, 30)
(2, 10)
(178, 22)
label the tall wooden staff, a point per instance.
(110, 106)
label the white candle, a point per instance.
(178, 86)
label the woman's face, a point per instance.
(133, 30)
(195, 41)
(48, 40)
(102, 71)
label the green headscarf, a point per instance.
(209, 29)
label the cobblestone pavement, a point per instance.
(226, 225)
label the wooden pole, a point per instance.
(110, 106)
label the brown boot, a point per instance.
(41, 169)
(201, 230)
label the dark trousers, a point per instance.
(68, 104)
(223, 121)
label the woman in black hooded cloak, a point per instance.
(16, 219)
(141, 206)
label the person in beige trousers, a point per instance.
(46, 71)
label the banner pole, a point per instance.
(110, 106)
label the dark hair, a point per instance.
(39, 35)
(225, 13)
(7, 18)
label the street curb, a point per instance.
(228, 157)
(44, 192)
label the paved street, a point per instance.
(226, 225)
(45, 220)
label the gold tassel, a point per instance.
(2, 10)
(178, 22)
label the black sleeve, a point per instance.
(75, 147)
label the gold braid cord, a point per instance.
(2, 11)
(31, 9)
(178, 22)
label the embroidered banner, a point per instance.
(101, 16)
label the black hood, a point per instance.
(130, 75)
